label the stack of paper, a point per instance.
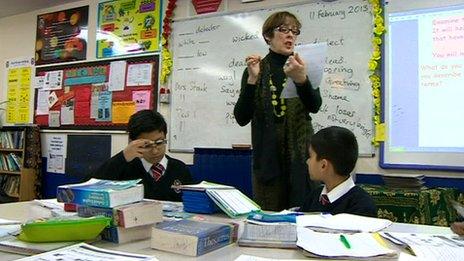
(343, 222)
(403, 181)
(84, 251)
(429, 246)
(330, 245)
(9, 227)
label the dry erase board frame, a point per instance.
(208, 62)
(397, 111)
(154, 59)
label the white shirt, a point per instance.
(147, 165)
(339, 190)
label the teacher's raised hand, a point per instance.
(295, 68)
(253, 63)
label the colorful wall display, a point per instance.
(128, 27)
(62, 36)
(19, 75)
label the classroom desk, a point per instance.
(29, 210)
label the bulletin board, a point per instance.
(95, 95)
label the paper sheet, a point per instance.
(433, 247)
(141, 99)
(85, 251)
(42, 102)
(55, 149)
(39, 82)
(314, 56)
(122, 111)
(54, 119)
(117, 76)
(345, 222)
(67, 113)
(53, 80)
(139, 74)
(104, 106)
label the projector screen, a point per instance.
(423, 76)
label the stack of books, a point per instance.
(207, 197)
(192, 238)
(408, 181)
(122, 201)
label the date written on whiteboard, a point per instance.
(338, 13)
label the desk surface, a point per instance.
(29, 210)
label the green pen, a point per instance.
(345, 241)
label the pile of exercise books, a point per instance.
(122, 201)
(269, 230)
(207, 197)
(409, 181)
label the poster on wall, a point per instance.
(62, 36)
(128, 27)
(18, 94)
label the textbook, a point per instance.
(101, 193)
(191, 238)
(270, 235)
(120, 235)
(127, 216)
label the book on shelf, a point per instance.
(101, 193)
(120, 235)
(10, 185)
(191, 238)
(11, 139)
(131, 215)
(268, 235)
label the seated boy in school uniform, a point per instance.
(144, 157)
(332, 157)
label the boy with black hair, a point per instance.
(332, 157)
(144, 157)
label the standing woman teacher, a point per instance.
(281, 128)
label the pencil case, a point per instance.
(63, 229)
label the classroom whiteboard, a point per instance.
(209, 59)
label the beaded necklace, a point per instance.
(274, 101)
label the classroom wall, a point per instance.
(17, 34)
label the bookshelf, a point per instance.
(19, 164)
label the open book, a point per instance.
(229, 199)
